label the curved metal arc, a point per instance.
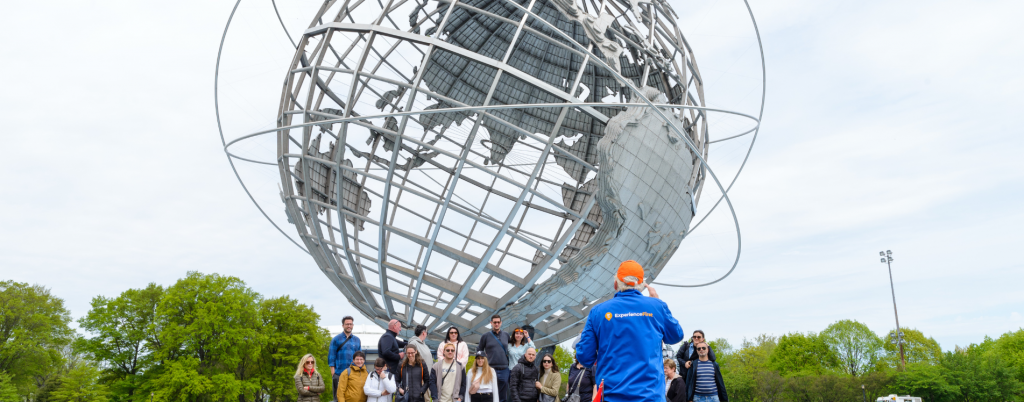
(220, 128)
(760, 115)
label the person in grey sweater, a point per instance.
(420, 343)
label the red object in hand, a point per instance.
(600, 392)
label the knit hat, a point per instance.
(630, 268)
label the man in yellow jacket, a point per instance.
(350, 382)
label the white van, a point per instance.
(897, 398)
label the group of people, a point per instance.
(694, 376)
(618, 355)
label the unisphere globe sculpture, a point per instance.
(447, 160)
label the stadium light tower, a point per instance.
(898, 336)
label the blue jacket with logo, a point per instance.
(623, 336)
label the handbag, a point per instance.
(575, 397)
(545, 397)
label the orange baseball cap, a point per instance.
(630, 268)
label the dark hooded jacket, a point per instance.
(415, 380)
(521, 381)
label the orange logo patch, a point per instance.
(608, 316)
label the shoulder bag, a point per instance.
(575, 397)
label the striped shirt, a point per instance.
(705, 378)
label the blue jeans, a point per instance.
(502, 384)
(705, 398)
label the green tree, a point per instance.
(81, 384)
(8, 392)
(980, 377)
(124, 334)
(925, 380)
(1010, 348)
(33, 328)
(290, 331)
(210, 337)
(746, 371)
(800, 355)
(916, 347)
(857, 348)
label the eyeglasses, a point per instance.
(702, 348)
(698, 337)
(453, 332)
(449, 350)
(310, 362)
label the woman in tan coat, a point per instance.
(308, 381)
(550, 379)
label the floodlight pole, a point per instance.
(887, 260)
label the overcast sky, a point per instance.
(888, 125)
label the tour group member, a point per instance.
(390, 348)
(483, 382)
(704, 379)
(380, 384)
(623, 336)
(352, 379)
(675, 386)
(461, 348)
(688, 353)
(420, 343)
(494, 344)
(517, 345)
(550, 380)
(414, 376)
(308, 381)
(447, 377)
(343, 347)
(524, 380)
(581, 381)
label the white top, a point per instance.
(491, 387)
(375, 387)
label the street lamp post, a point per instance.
(864, 392)
(887, 259)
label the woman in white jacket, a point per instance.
(380, 384)
(483, 381)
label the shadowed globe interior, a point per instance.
(447, 161)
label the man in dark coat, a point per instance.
(688, 353)
(495, 345)
(390, 348)
(704, 381)
(523, 380)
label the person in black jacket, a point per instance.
(414, 375)
(390, 348)
(524, 380)
(688, 353)
(587, 384)
(704, 381)
(495, 346)
(675, 385)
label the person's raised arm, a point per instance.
(586, 348)
(673, 332)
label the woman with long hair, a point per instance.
(517, 345)
(550, 379)
(461, 348)
(414, 375)
(483, 381)
(308, 381)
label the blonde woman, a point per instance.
(483, 381)
(308, 381)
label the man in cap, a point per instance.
(624, 337)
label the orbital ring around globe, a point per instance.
(601, 200)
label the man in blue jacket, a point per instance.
(624, 336)
(341, 351)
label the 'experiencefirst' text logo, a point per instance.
(625, 315)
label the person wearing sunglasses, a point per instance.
(518, 343)
(688, 353)
(447, 377)
(308, 381)
(495, 345)
(550, 379)
(624, 336)
(704, 381)
(461, 348)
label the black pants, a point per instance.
(334, 381)
(481, 397)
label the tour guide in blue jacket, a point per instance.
(624, 335)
